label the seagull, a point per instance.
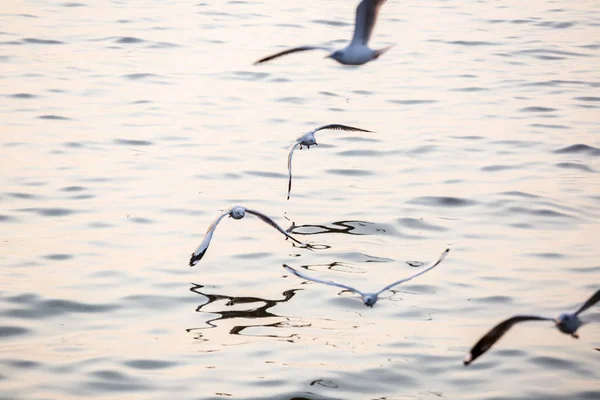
(237, 212)
(358, 51)
(368, 299)
(308, 139)
(566, 323)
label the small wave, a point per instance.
(129, 40)
(556, 25)
(54, 117)
(58, 257)
(23, 96)
(588, 98)
(412, 102)
(419, 224)
(472, 43)
(133, 142)
(149, 364)
(6, 331)
(50, 211)
(444, 201)
(266, 174)
(292, 100)
(579, 149)
(549, 126)
(360, 153)
(573, 165)
(41, 41)
(537, 109)
(469, 89)
(139, 76)
(349, 172)
(330, 22)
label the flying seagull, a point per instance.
(308, 139)
(369, 299)
(358, 51)
(236, 212)
(566, 323)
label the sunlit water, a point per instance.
(127, 128)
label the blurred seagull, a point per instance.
(308, 139)
(236, 212)
(358, 51)
(369, 299)
(566, 323)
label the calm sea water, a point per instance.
(127, 127)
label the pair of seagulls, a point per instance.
(238, 212)
(356, 53)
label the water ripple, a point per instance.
(6, 331)
(41, 41)
(579, 149)
(443, 201)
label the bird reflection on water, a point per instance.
(253, 313)
(347, 227)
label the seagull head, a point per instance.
(369, 299)
(568, 323)
(237, 212)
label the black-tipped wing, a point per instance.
(429, 267)
(273, 224)
(340, 127)
(366, 16)
(331, 283)
(290, 168)
(496, 333)
(289, 51)
(201, 250)
(590, 302)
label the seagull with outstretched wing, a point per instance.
(358, 51)
(236, 212)
(368, 298)
(308, 139)
(566, 323)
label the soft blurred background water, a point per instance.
(128, 126)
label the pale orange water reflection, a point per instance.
(127, 127)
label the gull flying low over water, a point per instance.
(308, 139)
(369, 299)
(358, 51)
(566, 323)
(236, 212)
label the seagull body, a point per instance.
(567, 323)
(368, 298)
(237, 212)
(308, 139)
(358, 51)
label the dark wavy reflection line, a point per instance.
(346, 227)
(253, 313)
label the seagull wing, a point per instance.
(290, 167)
(331, 283)
(433, 265)
(199, 253)
(496, 333)
(273, 224)
(590, 302)
(289, 51)
(339, 127)
(366, 16)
